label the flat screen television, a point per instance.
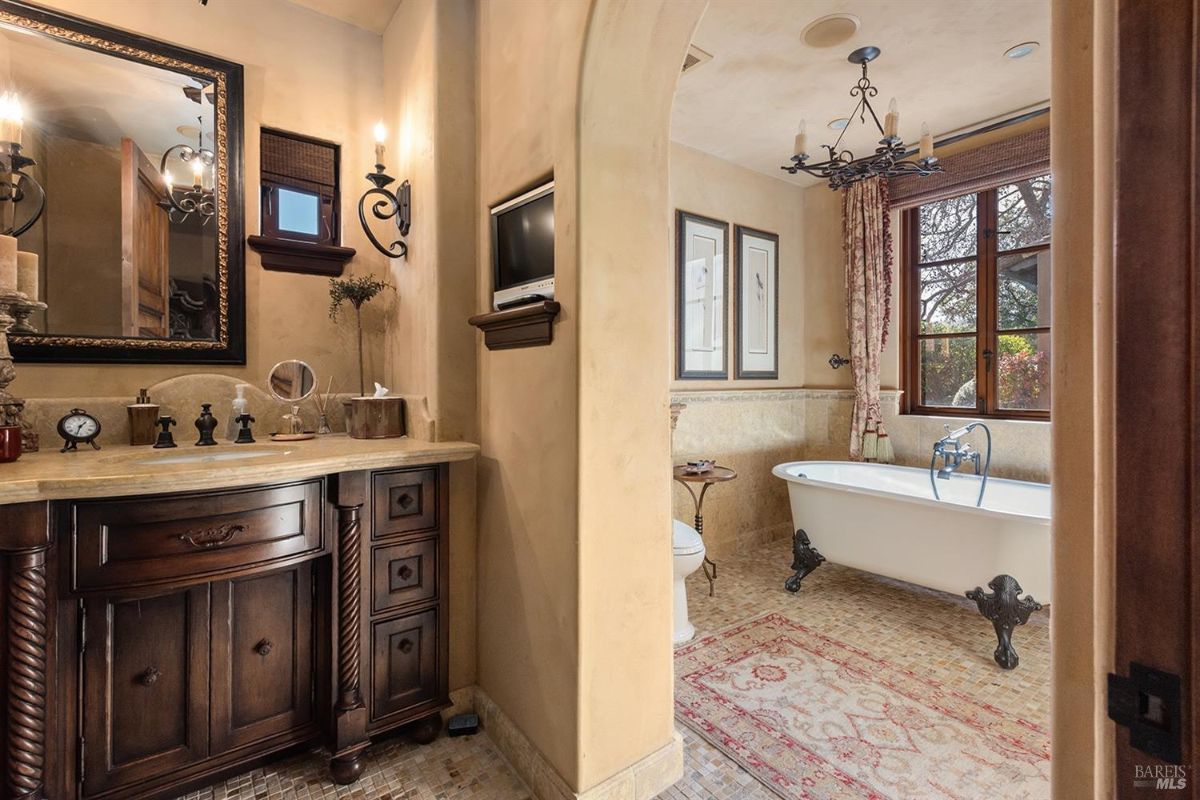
(523, 248)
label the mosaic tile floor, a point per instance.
(926, 631)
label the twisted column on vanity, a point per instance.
(27, 664)
(349, 593)
(349, 494)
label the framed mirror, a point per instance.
(135, 146)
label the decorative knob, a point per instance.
(405, 572)
(406, 645)
(149, 677)
(264, 647)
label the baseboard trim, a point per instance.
(641, 780)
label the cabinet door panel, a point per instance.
(145, 687)
(405, 668)
(262, 656)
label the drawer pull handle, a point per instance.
(264, 647)
(406, 645)
(405, 500)
(205, 538)
(149, 677)
(405, 572)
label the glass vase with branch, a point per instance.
(357, 291)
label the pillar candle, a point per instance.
(27, 274)
(891, 123)
(380, 138)
(8, 264)
(801, 144)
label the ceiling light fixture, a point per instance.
(889, 160)
(181, 202)
(1021, 50)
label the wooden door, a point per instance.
(263, 650)
(1157, 448)
(145, 687)
(145, 249)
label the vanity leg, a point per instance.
(24, 536)
(350, 715)
(426, 729)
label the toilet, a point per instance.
(689, 555)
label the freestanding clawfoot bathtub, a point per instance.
(884, 519)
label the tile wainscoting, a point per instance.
(753, 430)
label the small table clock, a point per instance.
(78, 427)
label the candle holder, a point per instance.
(12, 408)
(390, 205)
(17, 187)
(22, 310)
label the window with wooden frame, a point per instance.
(300, 188)
(975, 290)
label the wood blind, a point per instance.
(1016, 159)
(296, 160)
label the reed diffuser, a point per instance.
(321, 401)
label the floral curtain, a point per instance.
(867, 245)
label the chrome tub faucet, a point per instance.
(953, 452)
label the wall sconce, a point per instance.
(389, 205)
(17, 185)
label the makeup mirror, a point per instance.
(291, 381)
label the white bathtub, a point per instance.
(883, 519)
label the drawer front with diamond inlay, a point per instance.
(404, 573)
(405, 670)
(406, 501)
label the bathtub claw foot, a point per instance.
(805, 559)
(1005, 609)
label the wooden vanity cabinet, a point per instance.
(160, 643)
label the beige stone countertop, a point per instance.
(121, 470)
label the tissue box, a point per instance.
(375, 417)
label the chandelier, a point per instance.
(889, 160)
(197, 198)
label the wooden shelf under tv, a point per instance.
(524, 326)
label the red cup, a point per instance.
(10, 443)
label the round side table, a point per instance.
(705, 480)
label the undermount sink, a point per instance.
(208, 457)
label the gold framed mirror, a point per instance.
(136, 146)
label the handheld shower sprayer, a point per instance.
(953, 453)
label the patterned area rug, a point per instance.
(815, 718)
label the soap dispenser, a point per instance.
(239, 408)
(143, 418)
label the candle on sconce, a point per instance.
(27, 274)
(198, 171)
(801, 145)
(926, 150)
(169, 180)
(8, 264)
(891, 123)
(380, 138)
(11, 118)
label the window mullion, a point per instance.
(990, 289)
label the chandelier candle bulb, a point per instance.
(891, 123)
(380, 138)
(801, 141)
(926, 150)
(10, 118)
(27, 274)
(198, 170)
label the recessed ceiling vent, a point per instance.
(695, 57)
(830, 30)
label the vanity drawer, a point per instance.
(404, 573)
(405, 501)
(133, 542)
(404, 663)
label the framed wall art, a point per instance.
(757, 303)
(701, 287)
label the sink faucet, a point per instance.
(954, 452)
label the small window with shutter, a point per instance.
(300, 201)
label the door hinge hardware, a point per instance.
(1149, 703)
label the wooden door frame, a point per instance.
(1156, 287)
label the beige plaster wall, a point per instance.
(429, 111)
(334, 96)
(712, 187)
(528, 398)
